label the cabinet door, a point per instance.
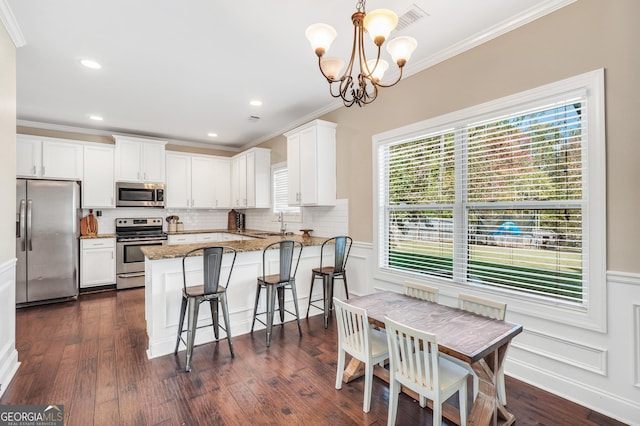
(250, 195)
(202, 183)
(98, 263)
(153, 162)
(178, 186)
(28, 157)
(98, 183)
(61, 160)
(128, 160)
(308, 167)
(293, 168)
(222, 183)
(239, 181)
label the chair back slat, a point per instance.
(353, 329)
(342, 247)
(289, 258)
(413, 357)
(421, 291)
(484, 307)
(211, 266)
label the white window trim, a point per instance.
(289, 216)
(594, 316)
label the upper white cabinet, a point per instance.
(197, 181)
(139, 160)
(251, 179)
(98, 182)
(311, 164)
(48, 158)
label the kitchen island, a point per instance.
(163, 286)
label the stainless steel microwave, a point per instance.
(130, 194)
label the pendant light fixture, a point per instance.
(362, 89)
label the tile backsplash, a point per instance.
(325, 221)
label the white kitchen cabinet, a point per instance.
(251, 179)
(197, 181)
(99, 176)
(97, 262)
(139, 160)
(311, 164)
(222, 182)
(181, 239)
(48, 158)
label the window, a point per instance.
(280, 179)
(506, 196)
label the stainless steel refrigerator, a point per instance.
(47, 221)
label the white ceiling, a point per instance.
(178, 70)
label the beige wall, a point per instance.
(7, 146)
(586, 35)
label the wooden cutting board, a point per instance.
(89, 225)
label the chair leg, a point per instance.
(295, 305)
(213, 303)
(368, 384)
(255, 307)
(326, 294)
(502, 392)
(313, 280)
(340, 367)
(394, 391)
(194, 305)
(227, 327)
(462, 395)
(271, 306)
(183, 309)
(344, 278)
(437, 412)
(280, 292)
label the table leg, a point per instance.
(487, 409)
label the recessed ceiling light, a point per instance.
(91, 64)
(255, 102)
(96, 117)
(212, 135)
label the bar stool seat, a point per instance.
(211, 291)
(289, 257)
(329, 274)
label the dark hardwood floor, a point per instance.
(89, 355)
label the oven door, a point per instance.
(130, 262)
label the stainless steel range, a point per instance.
(131, 235)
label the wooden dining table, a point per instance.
(480, 341)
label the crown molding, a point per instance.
(10, 23)
(97, 132)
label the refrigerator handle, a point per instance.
(29, 214)
(20, 226)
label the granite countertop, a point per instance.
(258, 244)
(82, 237)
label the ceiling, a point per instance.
(180, 70)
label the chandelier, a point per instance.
(363, 89)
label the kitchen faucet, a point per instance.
(283, 226)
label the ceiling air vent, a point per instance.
(254, 118)
(410, 17)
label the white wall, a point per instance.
(8, 354)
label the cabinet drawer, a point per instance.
(182, 239)
(90, 243)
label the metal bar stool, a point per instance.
(329, 274)
(278, 283)
(210, 291)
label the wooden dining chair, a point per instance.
(421, 291)
(490, 309)
(358, 339)
(415, 363)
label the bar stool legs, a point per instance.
(328, 281)
(273, 292)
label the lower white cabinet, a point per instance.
(206, 237)
(97, 262)
(181, 239)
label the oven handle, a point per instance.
(142, 240)
(131, 275)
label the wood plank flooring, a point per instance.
(89, 355)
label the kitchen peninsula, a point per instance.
(163, 286)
